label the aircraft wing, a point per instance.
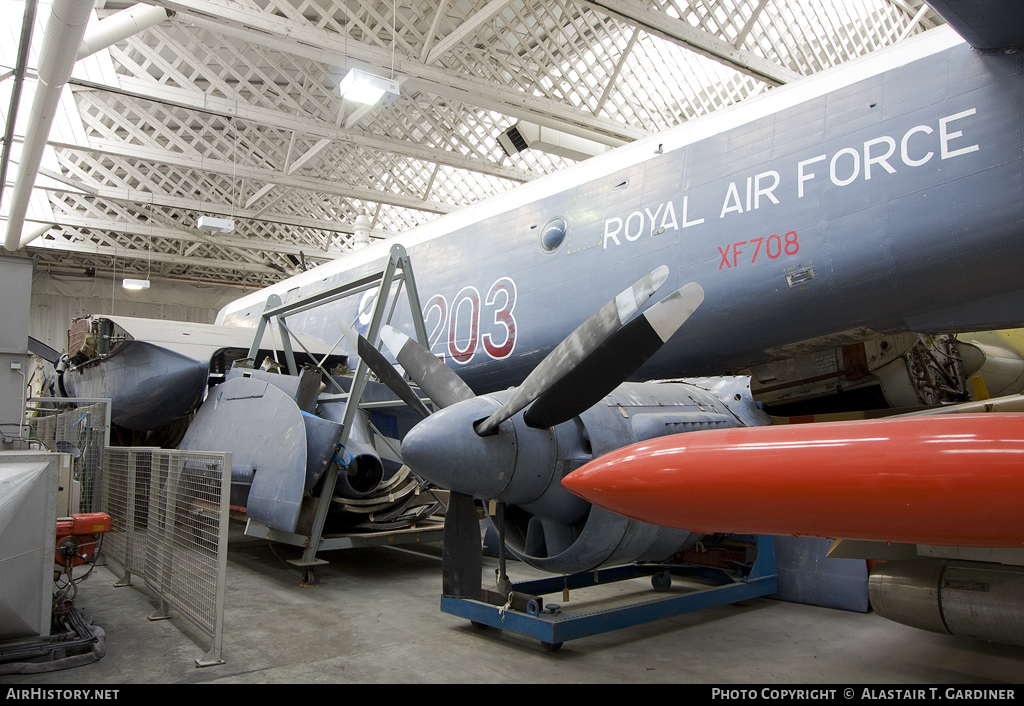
(988, 25)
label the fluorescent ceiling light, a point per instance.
(215, 225)
(368, 88)
(135, 283)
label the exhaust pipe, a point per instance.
(362, 469)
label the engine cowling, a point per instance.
(966, 598)
(546, 526)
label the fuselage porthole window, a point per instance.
(553, 235)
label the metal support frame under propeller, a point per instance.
(519, 607)
(398, 268)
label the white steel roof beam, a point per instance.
(155, 155)
(439, 12)
(135, 197)
(613, 80)
(264, 29)
(63, 245)
(200, 102)
(742, 36)
(467, 29)
(188, 236)
(289, 167)
(705, 44)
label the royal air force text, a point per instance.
(908, 149)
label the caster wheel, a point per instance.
(552, 646)
(478, 626)
(662, 581)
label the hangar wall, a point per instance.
(57, 299)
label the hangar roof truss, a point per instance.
(231, 109)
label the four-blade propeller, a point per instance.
(470, 459)
(576, 347)
(588, 364)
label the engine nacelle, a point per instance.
(547, 526)
(965, 598)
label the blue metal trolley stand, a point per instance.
(526, 613)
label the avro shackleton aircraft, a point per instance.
(881, 197)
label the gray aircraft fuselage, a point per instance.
(885, 195)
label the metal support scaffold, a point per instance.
(398, 269)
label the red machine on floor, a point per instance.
(78, 538)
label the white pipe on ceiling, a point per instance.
(121, 25)
(63, 35)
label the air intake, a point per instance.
(512, 141)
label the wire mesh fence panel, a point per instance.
(125, 497)
(79, 427)
(186, 540)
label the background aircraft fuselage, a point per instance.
(886, 195)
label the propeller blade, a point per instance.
(384, 370)
(614, 360)
(576, 347)
(442, 385)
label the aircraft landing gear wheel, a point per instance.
(552, 646)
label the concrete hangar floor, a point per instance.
(374, 618)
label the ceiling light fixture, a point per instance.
(367, 88)
(128, 282)
(215, 225)
(223, 225)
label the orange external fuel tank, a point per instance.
(955, 480)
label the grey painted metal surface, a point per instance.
(884, 196)
(156, 371)
(263, 430)
(545, 525)
(808, 575)
(16, 275)
(989, 25)
(150, 385)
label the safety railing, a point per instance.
(77, 426)
(125, 497)
(169, 516)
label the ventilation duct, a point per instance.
(523, 136)
(120, 26)
(61, 39)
